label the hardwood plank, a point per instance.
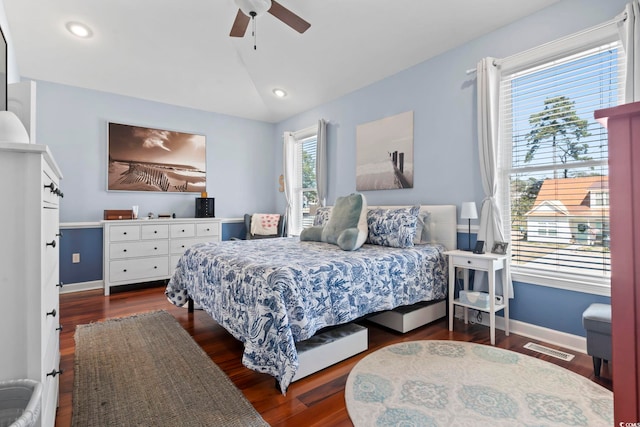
(314, 400)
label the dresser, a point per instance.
(142, 250)
(29, 272)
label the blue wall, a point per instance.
(244, 156)
(73, 123)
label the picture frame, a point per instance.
(479, 249)
(384, 153)
(500, 248)
(149, 159)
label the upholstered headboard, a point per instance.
(444, 225)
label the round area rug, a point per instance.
(453, 383)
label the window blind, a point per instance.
(554, 159)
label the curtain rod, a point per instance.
(619, 18)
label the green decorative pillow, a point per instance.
(347, 225)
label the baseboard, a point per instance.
(82, 286)
(551, 336)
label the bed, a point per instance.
(274, 294)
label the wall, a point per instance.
(73, 123)
(443, 99)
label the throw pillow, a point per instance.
(322, 215)
(423, 229)
(346, 227)
(393, 227)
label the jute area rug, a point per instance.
(451, 383)
(146, 370)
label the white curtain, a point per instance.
(491, 229)
(289, 165)
(629, 30)
(321, 162)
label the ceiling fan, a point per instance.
(249, 9)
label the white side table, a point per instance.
(491, 263)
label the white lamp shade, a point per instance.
(12, 129)
(257, 6)
(469, 211)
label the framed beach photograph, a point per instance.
(148, 159)
(499, 248)
(384, 153)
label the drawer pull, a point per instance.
(54, 373)
(59, 235)
(155, 231)
(51, 187)
(52, 313)
(183, 246)
(59, 193)
(468, 262)
(59, 328)
(52, 244)
(183, 231)
(155, 249)
(125, 233)
(124, 250)
(124, 271)
(155, 266)
(208, 229)
(60, 285)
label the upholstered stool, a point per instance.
(597, 321)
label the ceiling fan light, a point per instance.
(257, 6)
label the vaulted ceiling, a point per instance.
(179, 51)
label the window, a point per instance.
(305, 194)
(553, 158)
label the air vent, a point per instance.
(549, 351)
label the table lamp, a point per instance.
(469, 212)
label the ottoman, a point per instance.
(596, 320)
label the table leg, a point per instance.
(492, 305)
(452, 281)
(466, 288)
(505, 300)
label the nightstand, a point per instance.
(491, 263)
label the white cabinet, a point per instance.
(489, 262)
(29, 272)
(144, 250)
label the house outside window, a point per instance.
(554, 172)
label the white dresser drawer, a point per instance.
(50, 189)
(149, 248)
(183, 230)
(143, 268)
(178, 246)
(155, 231)
(50, 390)
(207, 229)
(121, 233)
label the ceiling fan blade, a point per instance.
(239, 25)
(288, 17)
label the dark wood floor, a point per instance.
(315, 400)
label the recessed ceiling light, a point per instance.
(280, 93)
(79, 30)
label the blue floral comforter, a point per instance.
(272, 293)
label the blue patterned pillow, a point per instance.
(393, 227)
(322, 216)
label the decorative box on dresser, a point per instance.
(137, 251)
(29, 273)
